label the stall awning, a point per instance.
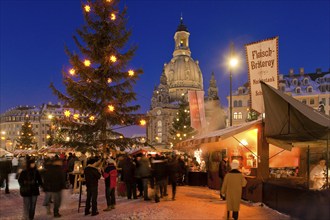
(218, 135)
(289, 121)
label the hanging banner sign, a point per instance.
(197, 113)
(262, 60)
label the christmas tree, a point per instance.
(99, 82)
(181, 129)
(26, 138)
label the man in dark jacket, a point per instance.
(5, 170)
(159, 166)
(54, 179)
(92, 175)
(223, 170)
(128, 173)
(29, 181)
(173, 168)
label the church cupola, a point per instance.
(181, 39)
(212, 92)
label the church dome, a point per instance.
(182, 72)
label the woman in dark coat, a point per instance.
(29, 181)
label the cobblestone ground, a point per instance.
(191, 203)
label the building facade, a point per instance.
(41, 120)
(180, 75)
(312, 89)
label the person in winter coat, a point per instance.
(54, 179)
(159, 165)
(92, 175)
(110, 180)
(223, 170)
(29, 181)
(232, 189)
(128, 174)
(144, 170)
(173, 171)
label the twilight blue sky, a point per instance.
(33, 34)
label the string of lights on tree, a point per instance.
(99, 81)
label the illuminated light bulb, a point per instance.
(87, 8)
(143, 122)
(3, 138)
(111, 108)
(121, 136)
(50, 116)
(184, 135)
(87, 62)
(48, 136)
(130, 72)
(76, 116)
(67, 113)
(109, 80)
(88, 80)
(109, 1)
(113, 16)
(72, 71)
(92, 118)
(113, 59)
(178, 135)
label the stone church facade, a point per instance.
(179, 76)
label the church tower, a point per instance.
(179, 76)
(182, 72)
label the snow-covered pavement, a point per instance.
(191, 203)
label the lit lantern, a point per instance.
(109, 80)
(92, 118)
(109, 1)
(72, 71)
(113, 59)
(178, 134)
(113, 16)
(143, 122)
(76, 116)
(87, 8)
(87, 62)
(67, 113)
(48, 136)
(50, 117)
(121, 136)
(111, 108)
(130, 72)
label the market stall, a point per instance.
(299, 138)
(239, 142)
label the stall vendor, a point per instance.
(317, 174)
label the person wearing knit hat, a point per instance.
(232, 189)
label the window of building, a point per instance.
(309, 89)
(159, 99)
(304, 101)
(322, 88)
(324, 101)
(235, 115)
(240, 115)
(295, 82)
(311, 101)
(298, 90)
(159, 123)
(306, 81)
(282, 88)
(240, 103)
(235, 103)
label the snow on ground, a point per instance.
(191, 203)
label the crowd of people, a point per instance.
(127, 175)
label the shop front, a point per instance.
(243, 143)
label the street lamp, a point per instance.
(232, 64)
